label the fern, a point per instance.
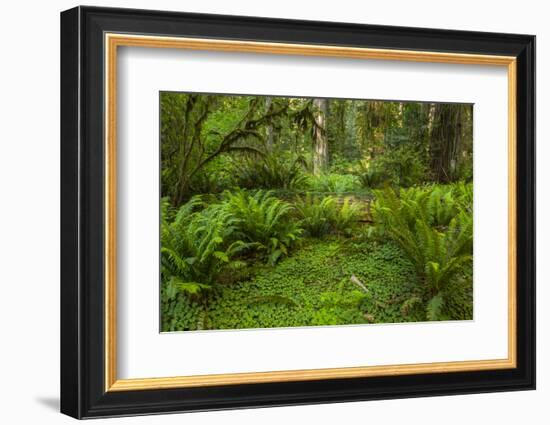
(410, 304)
(371, 176)
(175, 285)
(264, 222)
(335, 183)
(434, 227)
(272, 171)
(345, 218)
(320, 216)
(434, 308)
(198, 244)
(315, 214)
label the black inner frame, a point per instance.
(82, 212)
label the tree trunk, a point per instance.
(431, 114)
(457, 142)
(401, 114)
(320, 149)
(269, 138)
(438, 142)
(445, 141)
(185, 151)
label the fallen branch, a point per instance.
(361, 285)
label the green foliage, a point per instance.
(197, 129)
(340, 306)
(459, 303)
(434, 227)
(372, 176)
(346, 216)
(321, 216)
(434, 307)
(315, 214)
(313, 287)
(464, 169)
(214, 177)
(179, 312)
(340, 164)
(250, 238)
(197, 245)
(411, 304)
(401, 166)
(272, 171)
(334, 183)
(263, 221)
(199, 242)
(273, 299)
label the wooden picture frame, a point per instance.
(90, 38)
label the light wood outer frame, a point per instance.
(114, 40)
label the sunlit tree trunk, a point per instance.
(400, 114)
(431, 114)
(320, 148)
(457, 142)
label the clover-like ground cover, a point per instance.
(315, 286)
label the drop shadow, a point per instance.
(49, 402)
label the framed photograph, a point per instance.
(261, 212)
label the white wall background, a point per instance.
(29, 214)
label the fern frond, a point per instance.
(434, 307)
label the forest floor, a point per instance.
(352, 272)
(314, 286)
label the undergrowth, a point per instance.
(315, 287)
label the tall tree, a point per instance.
(446, 140)
(338, 142)
(191, 147)
(320, 140)
(269, 127)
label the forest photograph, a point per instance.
(290, 212)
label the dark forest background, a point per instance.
(209, 141)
